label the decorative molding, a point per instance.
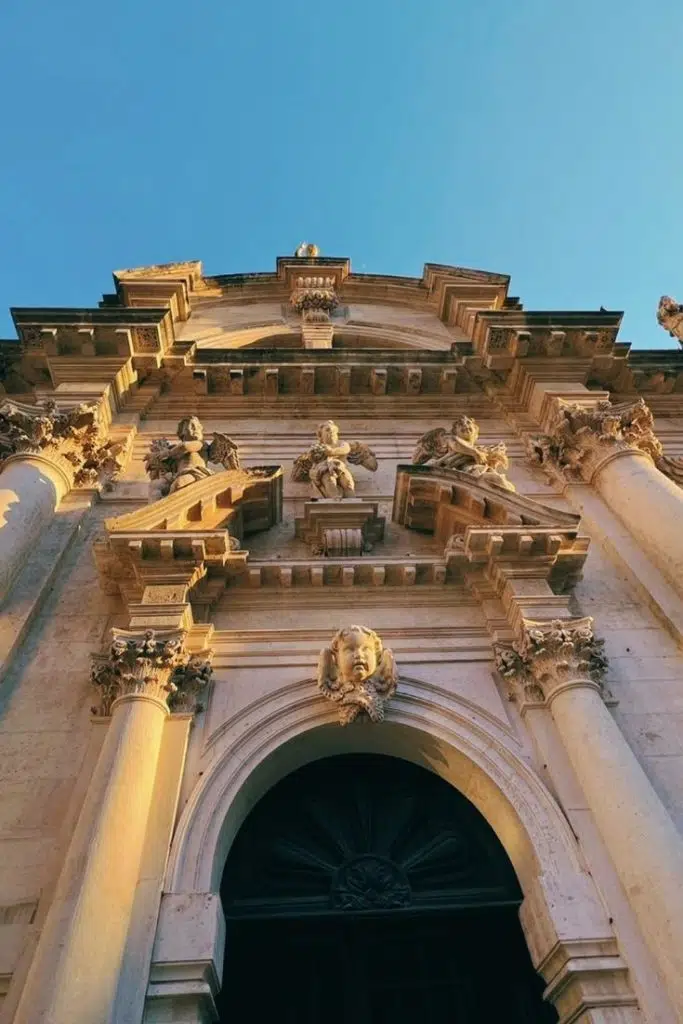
(74, 437)
(151, 664)
(551, 656)
(358, 673)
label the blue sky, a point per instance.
(538, 138)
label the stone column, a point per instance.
(614, 448)
(74, 973)
(561, 664)
(43, 452)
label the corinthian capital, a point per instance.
(550, 656)
(74, 436)
(581, 439)
(152, 664)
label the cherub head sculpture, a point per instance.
(466, 429)
(190, 429)
(358, 673)
(328, 433)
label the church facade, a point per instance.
(340, 640)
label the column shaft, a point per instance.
(75, 970)
(30, 490)
(650, 505)
(644, 844)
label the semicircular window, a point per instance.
(364, 833)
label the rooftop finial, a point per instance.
(307, 250)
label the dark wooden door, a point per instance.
(365, 890)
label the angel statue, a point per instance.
(458, 449)
(670, 316)
(358, 673)
(324, 464)
(175, 465)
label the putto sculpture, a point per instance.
(173, 465)
(358, 673)
(458, 449)
(324, 465)
(670, 316)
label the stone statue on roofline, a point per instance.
(172, 465)
(670, 316)
(458, 449)
(324, 465)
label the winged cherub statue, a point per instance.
(178, 464)
(325, 463)
(358, 673)
(670, 316)
(458, 449)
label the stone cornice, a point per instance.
(549, 657)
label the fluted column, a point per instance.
(43, 452)
(614, 448)
(74, 973)
(561, 663)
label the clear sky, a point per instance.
(539, 138)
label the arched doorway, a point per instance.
(364, 888)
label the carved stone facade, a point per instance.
(536, 619)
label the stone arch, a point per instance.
(562, 915)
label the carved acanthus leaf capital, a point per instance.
(74, 436)
(314, 298)
(580, 439)
(151, 664)
(550, 656)
(358, 673)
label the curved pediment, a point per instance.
(242, 500)
(447, 501)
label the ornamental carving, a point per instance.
(153, 664)
(314, 298)
(325, 466)
(457, 448)
(370, 882)
(550, 655)
(670, 316)
(74, 435)
(581, 438)
(173, 465)
(358, 673)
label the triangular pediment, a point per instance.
(445, 502)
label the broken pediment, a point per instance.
(445, 502)
(242, 501)
(482, 525)
(187, 533)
